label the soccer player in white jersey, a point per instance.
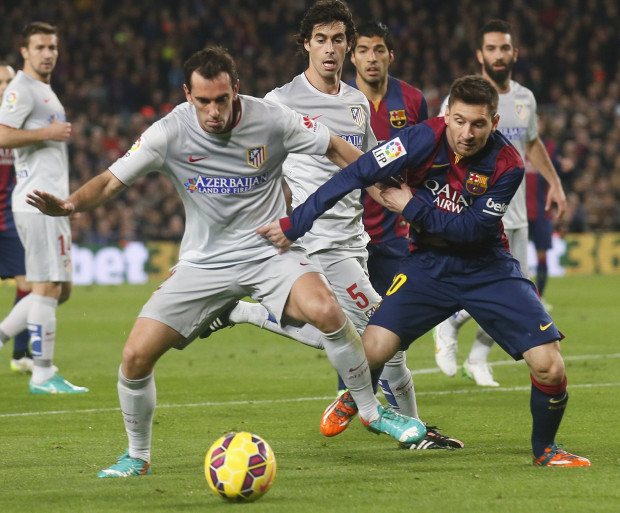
(223, 152)
(517, 109)
(33, 124)
(337, 241)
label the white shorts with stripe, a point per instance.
(192, 297)
(47, 243)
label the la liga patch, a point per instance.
(390, 151)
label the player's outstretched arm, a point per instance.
(273, 232)
(93, 193)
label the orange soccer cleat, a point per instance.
(338, 414)
(555, 456)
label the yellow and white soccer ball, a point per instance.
(240, 467)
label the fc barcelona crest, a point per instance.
(357, 114)
(398, 118)
(256, 156)
(520, 110)
(476, 184)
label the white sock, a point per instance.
(397, 386)
(138, 398)
(345, 351)
(481, 347)
(17, 320)
(459, 318)
(42, 329)
(258, 315)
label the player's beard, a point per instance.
(498, 76)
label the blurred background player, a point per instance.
(517, 109)
(12, 257)
(33, 124)
(337, 241)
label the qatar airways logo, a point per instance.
(446, 198)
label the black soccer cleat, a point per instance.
(220, 322)
(434, 440)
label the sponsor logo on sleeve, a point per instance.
(10, 100)
(495, 209)
(389, 152)
(134, 148)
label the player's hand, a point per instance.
(59, 131)
(50, 204)
(273, 232)
(396, 198)
(556, 195)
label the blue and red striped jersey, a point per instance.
(403, 105)
(457, 203)
(7, 184)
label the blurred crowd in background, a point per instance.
(121, 68)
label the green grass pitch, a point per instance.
(51, 447)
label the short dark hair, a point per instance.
(378, 29)
(36, 27)
(324, 12)
(209, 63)
(495, 25)
(474, 90)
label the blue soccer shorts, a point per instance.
(431, 286)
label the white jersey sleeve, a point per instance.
(152, 146)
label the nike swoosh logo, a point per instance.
(301, 263)
(440, 165)
(556, 401)
(46, 100)
(543, 328)
(358, 367)
(317, 117)
(192, 159)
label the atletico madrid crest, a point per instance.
(398, 118)
(476, 184)
(256, 156)
(357, 114)
(520, 110)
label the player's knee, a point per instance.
(546, 364)
(136, 364)
(65, 292)
(325, 313)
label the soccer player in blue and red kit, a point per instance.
(394, 105)
(462, 174)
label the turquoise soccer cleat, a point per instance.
(126, 467)
(56, 385)
(405, 429)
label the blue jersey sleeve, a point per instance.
(479, 222)
(411, 147)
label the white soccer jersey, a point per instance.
(229, 183)
(517, 122)
(29, 104)
(347, 115)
